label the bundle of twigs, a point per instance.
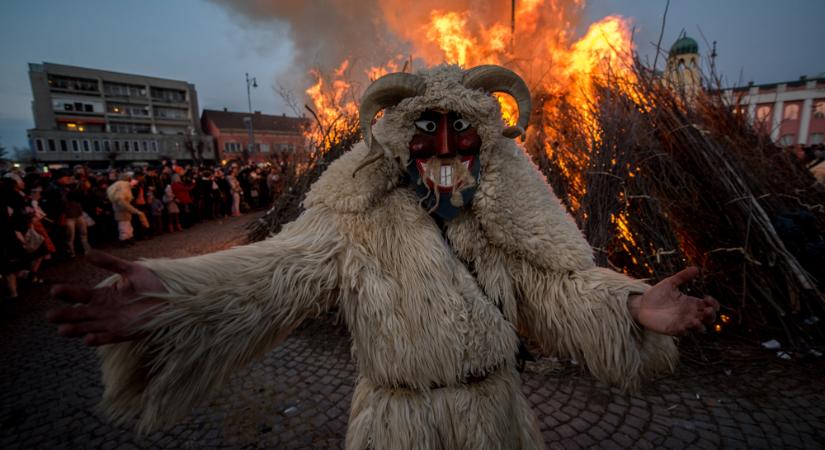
(659, 181)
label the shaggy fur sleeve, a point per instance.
(222, 310)
(563, 301)
(584, 314)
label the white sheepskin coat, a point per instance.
(421, 323)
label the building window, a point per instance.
(96, 146)
(51, 145)
(817, 138)
(819, 110)
(787, 140)
(264, 148)
(231, 147)
(168, 95)
(126, 147)
(86, 146)
(171, 113)
(107, 147)
(39, 144)
(134, 128)
(117, 146)
(75, 145)
(124, 90)
(75, 84)
(63, 147)
(763, 112)
(154, 146)
(791, 112)
(135, 146)
(142, 111)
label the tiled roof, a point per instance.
(260, 122)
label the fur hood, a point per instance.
(513, 204)
(119, 192)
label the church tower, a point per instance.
(682, 71)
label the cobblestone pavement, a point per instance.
(298, 396)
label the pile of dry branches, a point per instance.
(658, 183)
(325, 143)
(662, 182)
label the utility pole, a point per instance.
(250, 83)
(713, 56)
(513, 26)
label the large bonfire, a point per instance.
(655, 180)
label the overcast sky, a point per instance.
(199, 42)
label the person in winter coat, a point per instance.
(13, 227)
(183, 198)
(120, 194)
(172, 208)
(63, 212)
(438, 240)
(156, 211)
(236, 191)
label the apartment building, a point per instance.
(98, 117)
(792, 112)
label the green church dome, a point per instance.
(683, 45)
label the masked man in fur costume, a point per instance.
(120, 195)
(438, 240)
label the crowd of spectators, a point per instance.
(56, 215)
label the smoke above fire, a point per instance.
(373, 37)
(342, 45)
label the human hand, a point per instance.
(108, 314)
(666, 310)
(144, 221)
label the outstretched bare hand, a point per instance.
(666, 310)
(107, 314)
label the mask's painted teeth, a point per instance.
(446, 176)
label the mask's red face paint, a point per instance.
(443, 138)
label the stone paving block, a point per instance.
(623, 440)
(566, 431)
(584, 441)
(598, 434)
(754, 442)
(611, 419)
(673, 443)
(579, 425)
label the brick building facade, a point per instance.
(274, 137)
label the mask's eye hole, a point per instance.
(426, 125)
(461, 125)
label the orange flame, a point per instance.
(334, 105)
(541, 48)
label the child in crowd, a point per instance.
(172, 209)
(156, 212)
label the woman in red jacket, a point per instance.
(182, 197)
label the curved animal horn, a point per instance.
(383, 92)
(491, 78)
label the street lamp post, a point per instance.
(250, 83)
